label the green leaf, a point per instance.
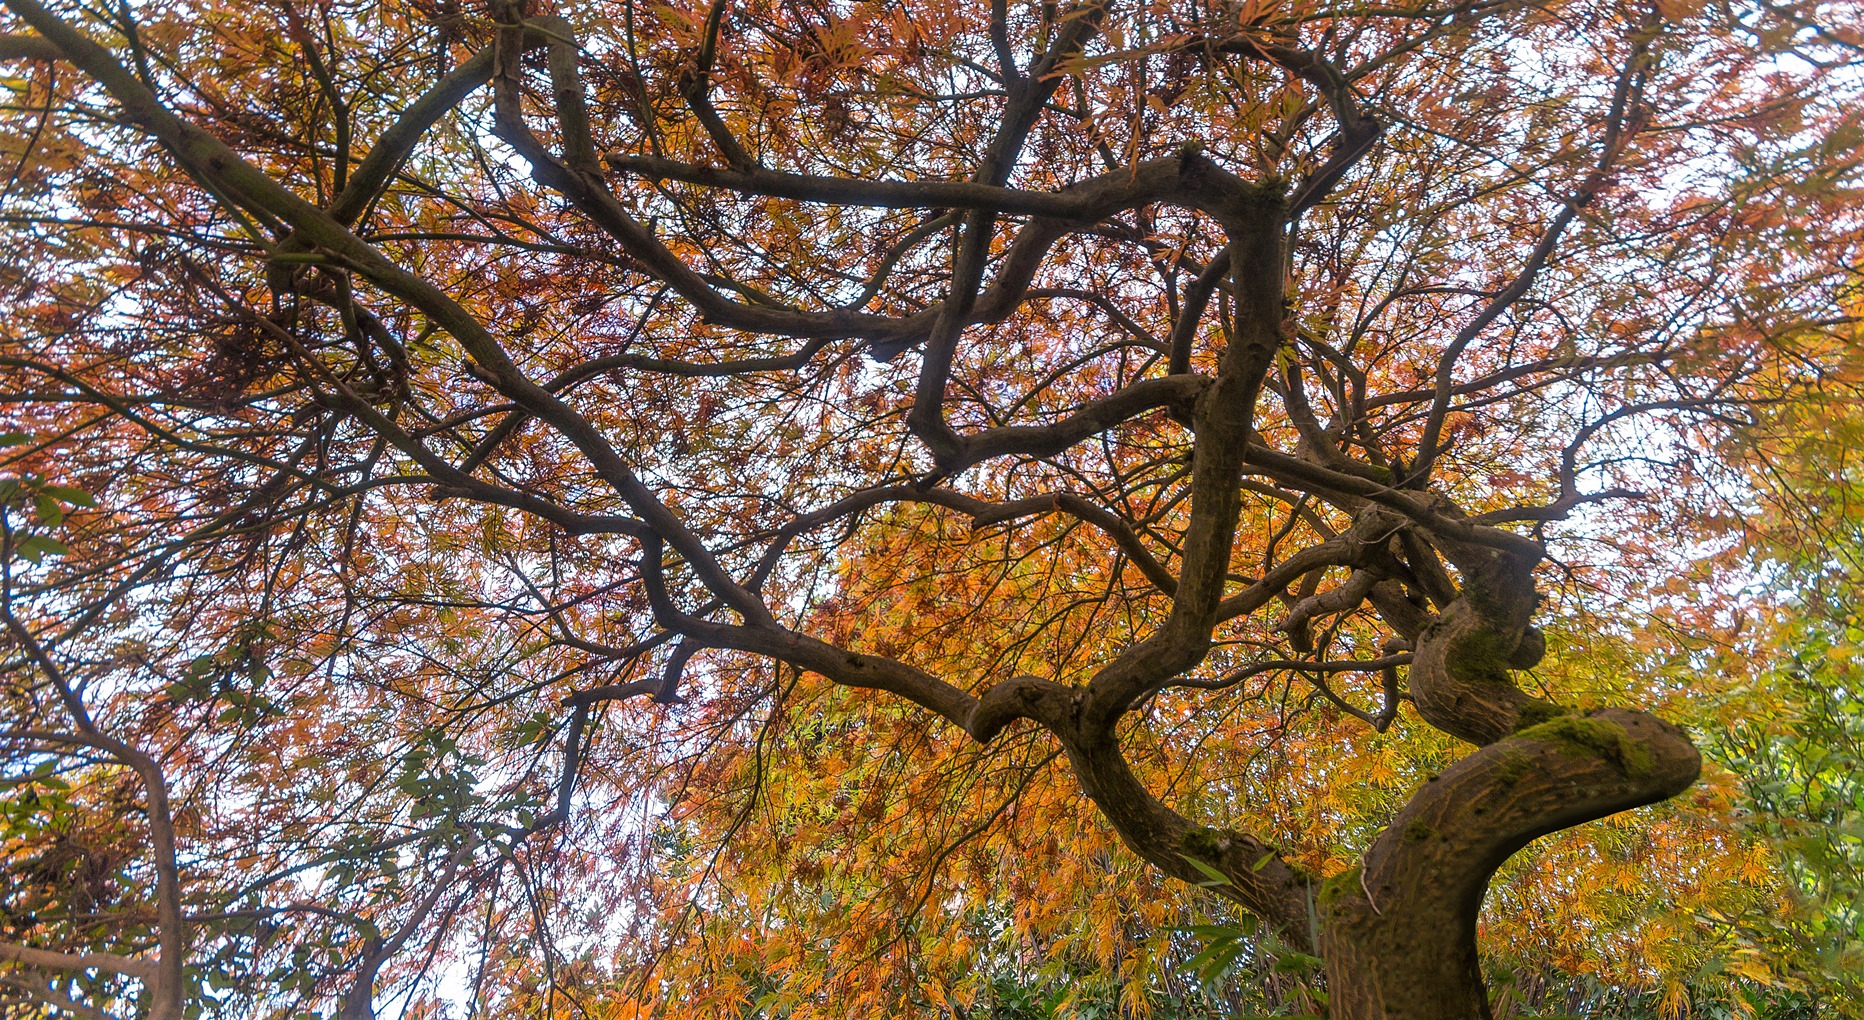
(1215, 961)
(49, 510)
(1217, 878)
(70, 494)
(1211, 931)
(37, 547)
(1292, 962)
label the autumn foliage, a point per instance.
(806, 509)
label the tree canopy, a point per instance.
(802, 508)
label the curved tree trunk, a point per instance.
(1399, 935)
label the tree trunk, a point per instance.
(1399, 935)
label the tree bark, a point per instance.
(1399, 935)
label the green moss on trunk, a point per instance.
(1589, 737)
(1512, 767)
(1533, 713)
(1209, 843)
(1336, 888)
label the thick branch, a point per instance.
(46, 959)
(1259, 879)
(1400, 936)
(28, 47)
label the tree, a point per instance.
(435, 431)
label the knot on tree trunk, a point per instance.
(1460, 675)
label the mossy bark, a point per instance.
(1400, 939)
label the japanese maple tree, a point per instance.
(449, 449)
